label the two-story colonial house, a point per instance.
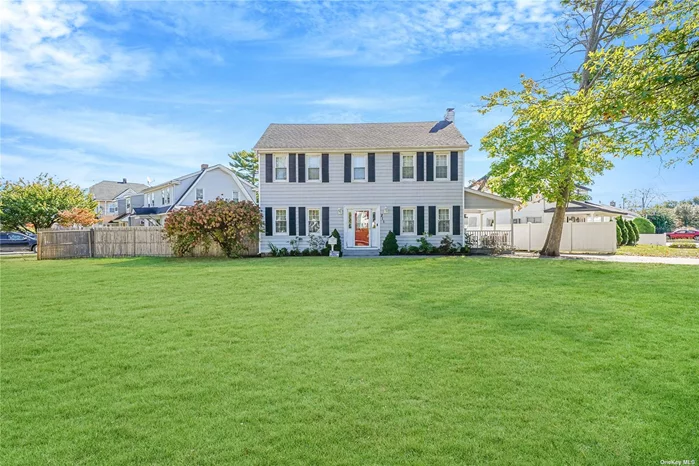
(364, 180)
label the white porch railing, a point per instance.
(489, 239)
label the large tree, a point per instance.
(31, 205)
(642, 198)
(565, 129)
(245, 164)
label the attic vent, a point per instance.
(449, 116)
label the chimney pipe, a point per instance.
(123, 180)
(204, 166)
(612, 203)
(449, 116)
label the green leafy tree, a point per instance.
(390, 245)
(232, 225)
(633, 232)
(31, 205)
(563, 129)
(246, 165)
(644, 225)
(687, 214)
(619, 235)
(624, 231)
(662, 217)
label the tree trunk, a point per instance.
(552, 245)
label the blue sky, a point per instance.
(112, 90)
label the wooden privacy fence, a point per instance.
(116, 242)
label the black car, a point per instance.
(13, 241)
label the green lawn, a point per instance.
(331, 361)
(657, 251)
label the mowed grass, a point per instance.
(350, 361)
(657, 251)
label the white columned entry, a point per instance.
(512, 227)
(495, 221)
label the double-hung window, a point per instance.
(408, 221)
(313, 221)
(167, 196)
(112, 207)
(128, 204)
(235, 197)
(443, 220)
(280, 162)
(408, 167)
(313, 167)
(359, 167)
(199, 194)
(280, 224)
(441, 167)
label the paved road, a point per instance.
(613, 258)
(17, 253)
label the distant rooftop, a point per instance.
(108, 190)
(349, 136)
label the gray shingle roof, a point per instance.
(108, 190)
(427, 134)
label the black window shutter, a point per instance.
(268, 221)
(302, 168)
(348, 168)
(421, 220)
(326, 221)
(292, 168)
(432, 214)
(396, 166)
(372, 168)
(302, 221)
(396, 220)
(454, 163)
(430, 166)
(269, 168)
(421, 166)
(456, 219)
(292, 221)
(325, 168)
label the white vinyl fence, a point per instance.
(577, 237)
(657, 239)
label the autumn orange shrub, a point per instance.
(229, 224)
(77, 216)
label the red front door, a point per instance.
(361, 228)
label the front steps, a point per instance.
(360, 252)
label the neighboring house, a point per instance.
(363, 180)
(538, 210)
(108, 193)
(152, 205)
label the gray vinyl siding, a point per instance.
(215, 183)
(383, 193)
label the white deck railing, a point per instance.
(489, 239)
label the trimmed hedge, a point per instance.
(624, 231)
(390, 245)
(619, 235)
(644, 225)
(636, 233)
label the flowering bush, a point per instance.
(229, 224)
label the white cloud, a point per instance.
(367, 103)
(46, 49)
(122, 135)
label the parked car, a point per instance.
(684, 233)
(13, 241)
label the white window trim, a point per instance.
(414, 156)
(235, 194)
(128, 203)
(274, 223)
(320, 168)
(366, 168)
(203, 195)
(448, 177)
(409, 233)
(320, 220)
(285, 157)
(448, 231)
